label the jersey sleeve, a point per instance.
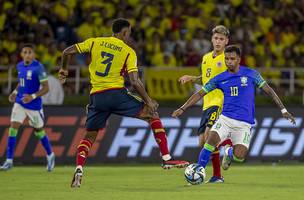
(85, 46)
(210, 85)
(203, 61)
(42, 75)
(132, 62)
(258, 79)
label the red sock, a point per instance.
(225, 143)
(83, 151)
(216, 163)
(160, 136)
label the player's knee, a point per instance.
(15, 125)
(213, 138)
(201, 143)
(147, 115)
(91, 135)
(201, 140)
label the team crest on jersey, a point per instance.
(218, 126)
(219, 64)
(29, 75)
(243, 81)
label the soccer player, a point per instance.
(111, 58)
(238, 85)
(28, 104)
(213, 63)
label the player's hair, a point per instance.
(221, 30)
(119, 24)
(233, 48)
(29, 45)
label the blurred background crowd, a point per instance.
(165, 33)
(173, 33)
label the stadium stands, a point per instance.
(165, 33)
(163, 30)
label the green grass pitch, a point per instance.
(151, 182)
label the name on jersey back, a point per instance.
(111, 46)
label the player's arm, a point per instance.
(44, 89)
(194, 79)
(12, 96)
(66, 54)
(190, 102)
(211, 85)
(63, 72)
(132, 70)
(270, 92)
(139, 87)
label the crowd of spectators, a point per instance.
(165, 32)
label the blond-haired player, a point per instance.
(213, 63)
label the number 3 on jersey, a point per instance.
(107, 61)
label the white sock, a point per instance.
(166, 157)
(79, 167)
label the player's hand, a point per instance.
(288, 116)
(153, 106)
(12, 97)
(177, 113)
(186, 78)
(27, 98)
(62, 75)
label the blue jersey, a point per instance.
(29, 78)
(239, 92)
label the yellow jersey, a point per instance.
(110, 58)
(211, 67)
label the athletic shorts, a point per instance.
(19, 114)
(209, 117)
(237, 131)
(115, 101)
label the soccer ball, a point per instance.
(195, 174)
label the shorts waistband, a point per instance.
(105, 90)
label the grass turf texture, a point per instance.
(152, 182)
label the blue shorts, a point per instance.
(209, 116)
(115, 101)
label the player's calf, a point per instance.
(82, 153)
(231, 154)
(161, 139)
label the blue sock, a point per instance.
(230, 152)
(46, 144)
(11, 143)
(205, 153)
(45, 141)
